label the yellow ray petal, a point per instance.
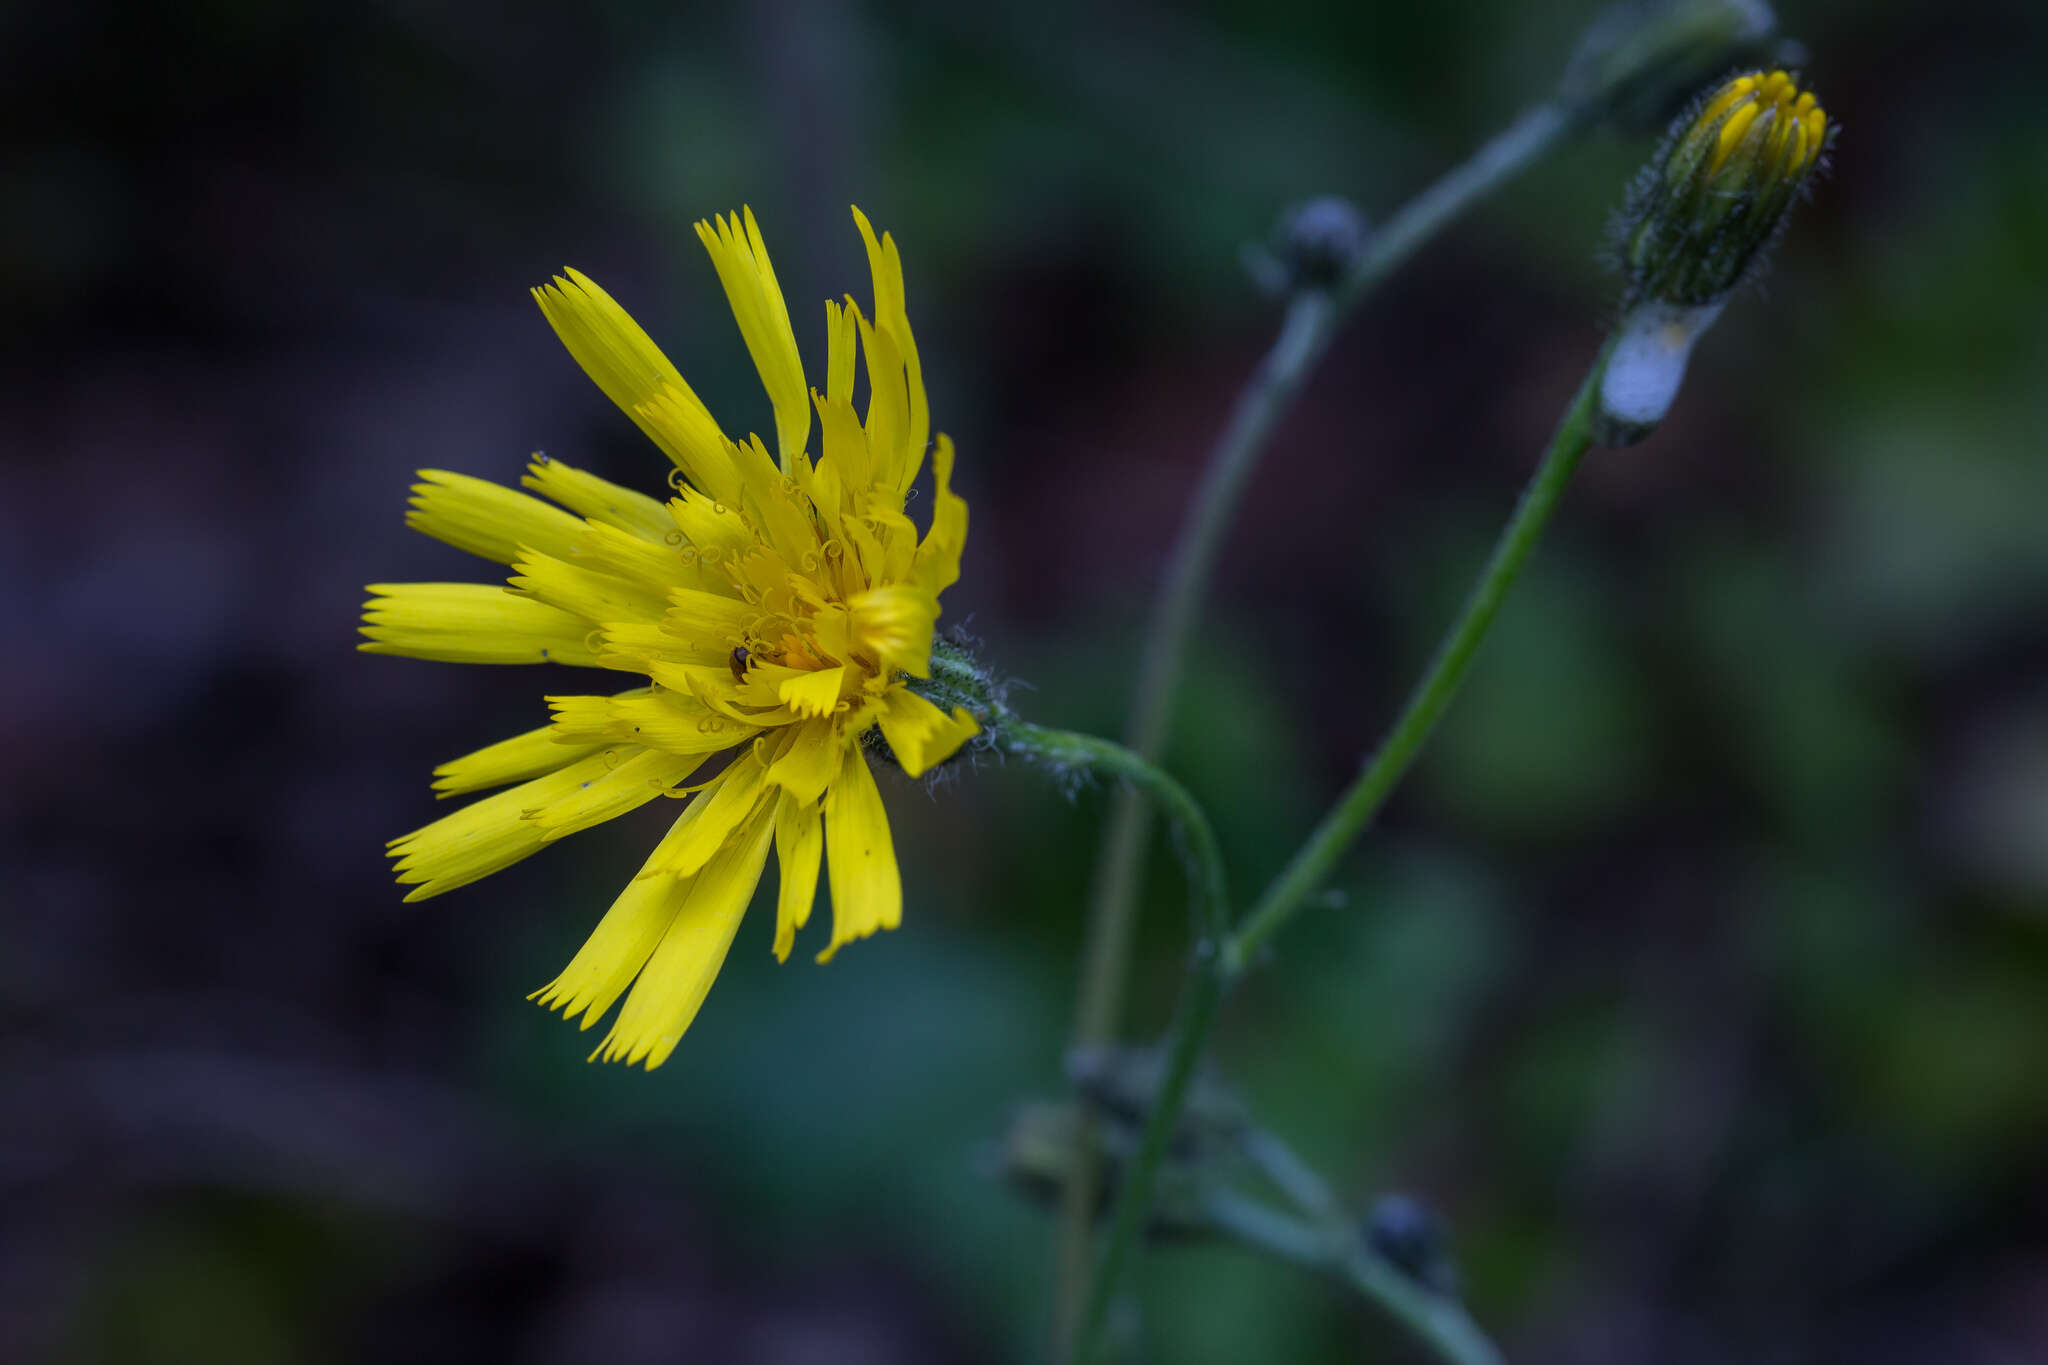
(808, 766)
(842, 341)
(486, 518)
(649, 564)
(471, 623)
(623, 361)
(938, 558)
(485, 836)
(706, 620)
(741, 258)
(845, 448)
(867, 893)
(919, 733)
(799, 844)
(584, 592)
(598, 499)
(895, 625)
(886, 267)
(624, 939)
(510, 760)
(814, 693)
(626, 785)
(888, 419)
(673, 985)
(675, 723)
(729, 802)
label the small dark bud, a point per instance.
(1318, 240)
(1121, 1084)
(1402, 1230)
(1036, 1159)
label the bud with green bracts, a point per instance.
(1695, 226)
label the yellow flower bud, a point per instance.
(1719, 192)
(1693, 229)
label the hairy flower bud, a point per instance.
(1696, 223)
(1719, 191)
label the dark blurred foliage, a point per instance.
(1698, 981)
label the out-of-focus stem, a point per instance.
(1426, 704)
(1305, 333)
(1354, 811)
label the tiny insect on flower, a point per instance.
(771, 613)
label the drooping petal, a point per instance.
(471, 623)
(919, 733)
(799, 844)
(810, 762)
(729, 802)
(867, 893)
(741, 258)
(623, 940)
(672, 986)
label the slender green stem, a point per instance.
(1278, 378)
(1510, 152)
(1390, 762)
(1262, 1227)
(1312, 318)
(1303, 1185)
(1354, 810)
(1066, 750)
(1435, 1321)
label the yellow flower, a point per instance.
(772, 610)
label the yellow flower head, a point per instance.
(772, 611)
(1720, 190)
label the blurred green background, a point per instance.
(1698, 978)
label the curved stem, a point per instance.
(1390, 762)
(1352, 813)
(1068, 750)
(1305, 334)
